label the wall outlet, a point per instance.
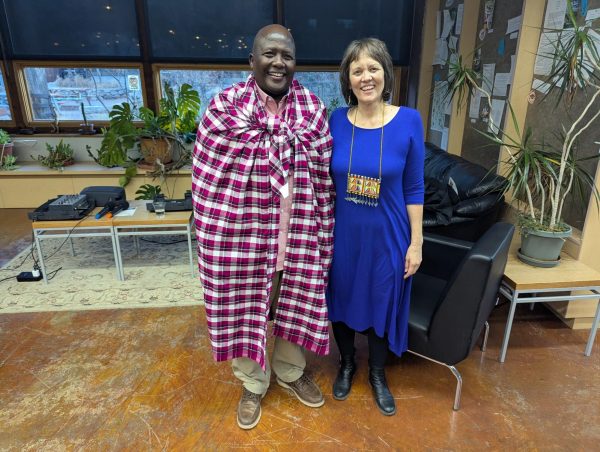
(28, 276)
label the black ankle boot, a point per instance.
(383, 396)
(343, 381)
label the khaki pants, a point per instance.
(288, 360)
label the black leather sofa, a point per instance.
(462, 199)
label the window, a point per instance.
(67, 28)
(61, 92)
(208, 83)
(5, 114)
(215, 30)
(323, 29)
(326, 85)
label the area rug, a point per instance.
(159, 276)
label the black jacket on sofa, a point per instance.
(462, 199)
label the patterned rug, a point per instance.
(158, 277)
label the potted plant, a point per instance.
(58, 156)
(6, 148)
(148, 191)
(160, 138)
(543, 175)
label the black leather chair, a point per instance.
(453, 294)
(462, 199)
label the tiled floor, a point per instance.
(144, 380)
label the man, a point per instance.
(264, 220)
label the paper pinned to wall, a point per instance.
(448, 24)
(474, 105)
(592, 14)
(438, 25)
(496, 115)
(514, 35)
(459, 19)
(453, 44)
(444, 144)
(513, 25)
(555, 14)
(540, 85)
(501, 82)
(488, 76)
(513, 59)
(438, 106)
(441, 52)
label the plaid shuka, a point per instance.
(241, 164)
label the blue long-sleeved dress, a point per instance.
(366, 284)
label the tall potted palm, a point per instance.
(543, 176)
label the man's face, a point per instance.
(274, 63)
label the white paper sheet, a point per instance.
(496, 115)
(513, 59)
(441, 52)
(438, 24)
(501, 82)
(126, 213)
(453, 44)
(540, 85)
(448, 24)
(513, 25)
(592, 14)
(514, 35)
(459, 19)
(474, 105)
(555, 14)
(438, 106)
(444, 144)
(488, 76)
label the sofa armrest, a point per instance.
(435, 246)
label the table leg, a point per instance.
(509, 321)
(38, 244)
(592, 336)
(72, 246)
(117, 254)
(189, 237)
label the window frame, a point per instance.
(11, 122)
(19, 67)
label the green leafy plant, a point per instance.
(58, 156)
(8, 163)
(174, 123)
(148, 191)
(4, 137)
(542, 175)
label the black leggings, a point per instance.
(378, 346)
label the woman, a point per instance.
(377, 167)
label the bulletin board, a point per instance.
(493, 58)
(448, 30)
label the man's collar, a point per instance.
(268, 101)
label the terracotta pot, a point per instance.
(6, 149)
(156, 149)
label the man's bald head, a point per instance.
(273, 60)
(274, 29)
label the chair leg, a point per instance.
(485, 336)
(456, 374)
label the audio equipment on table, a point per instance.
(65, 207)
(112, 208)
(173, 205)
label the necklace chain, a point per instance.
(362, 189)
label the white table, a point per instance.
(145, 223)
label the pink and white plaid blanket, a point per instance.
(241, 162)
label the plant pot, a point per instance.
(542, 248)
(153, 149)
(87, 129)
(6, 149)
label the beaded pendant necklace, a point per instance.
(362, 189)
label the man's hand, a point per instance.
(413, 260)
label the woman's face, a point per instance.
(367, 79)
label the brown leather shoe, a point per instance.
(305, 390)
(248, 413)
